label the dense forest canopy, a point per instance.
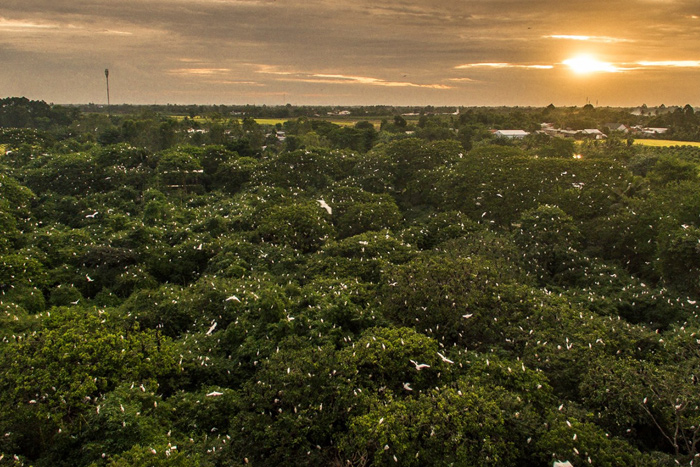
(207, 289)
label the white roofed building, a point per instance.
(593, 133)
(513, 134)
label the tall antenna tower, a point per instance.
(107, 78)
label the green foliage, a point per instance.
(461, 425)
(301, 225)
(20, 270)
(66, 174)
(355, 211)
(497, 184)
(550, 242)
(453, 298)
(557, 147)
(440, 227)
(668, 170)
(576, 441)
(683, 275)
(290, 414)
(52, 376)
(20, 112)
(234, 173)
(180, 169)
(311, 169)
(173, 293)
(363, 256)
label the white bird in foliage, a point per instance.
(562, 464)
(89, 279)
(468, 315)
(215, 394)
(444, 359)
(420, 366)
(211, 329)
(232, 297)
(407, 387)
(92, 216)
(325, 206)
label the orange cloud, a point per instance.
(503, 65)
(574, 37)
(198, 71)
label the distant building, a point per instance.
(511, 134)
(593, 133)
(654, 131)
(569, 133)
(621, 127)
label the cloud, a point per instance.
(375, 81)
(502, 65)
(671, 64)
(13, 25)
(328, 78)
(235, 82)
(274, 70)
(117, 33)
(199, 71)
(603, 39)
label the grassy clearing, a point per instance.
(196, 119)
(274, 121)
(337, 121)
(665, 143)
(270, 121)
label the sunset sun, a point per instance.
(585, 64)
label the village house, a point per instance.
(511, 134)
(654, 131)
(621, 127)
(592, 133)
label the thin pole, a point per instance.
(107, 77)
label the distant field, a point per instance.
(376, 121)
(270, 121)
(342, 122)
(665, 142)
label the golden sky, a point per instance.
(404, 52)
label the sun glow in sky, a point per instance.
(585, 64)
(352, 52)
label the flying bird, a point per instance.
(444, 359)
(232, 297)
(215, 394)
(325, 206)
(211, 329)
(420, 366)
(407, 387)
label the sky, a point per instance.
(352, 52)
